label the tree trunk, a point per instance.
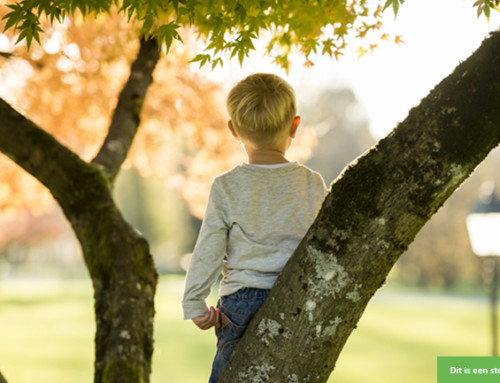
(372, 214)
(117, 257)
(124, 279)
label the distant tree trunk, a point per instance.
(117, 257)
(372, 214)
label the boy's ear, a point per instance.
(295, 126)
(233, 131)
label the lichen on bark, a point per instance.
(373, 212)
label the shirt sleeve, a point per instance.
(208, 255)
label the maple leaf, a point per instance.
(327, 47)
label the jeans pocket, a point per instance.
(238, 309)
(229, 335)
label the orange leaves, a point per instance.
(182, 118)
(363, 51)
(373, 47)
(20, 191)
(332, 49)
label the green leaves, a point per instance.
(202, 59)
(21, 18)
(395, 5)
(25, 15)
(485, 6)
(230, 28)
(167, 34)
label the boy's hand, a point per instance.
(210, 319)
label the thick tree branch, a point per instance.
(41, 155)
(125, 121)
(370, 217)
(118, 259)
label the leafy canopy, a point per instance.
(231, 26)
(227, 26)
(483, 6)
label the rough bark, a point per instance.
(373, 212)
(126, 116)
(117, 257)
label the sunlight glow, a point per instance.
(53, 44)
(437, 35)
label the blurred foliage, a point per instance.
(69, 86)
(69, 83)
(228, 27)
(232, 27)
(440, 256)
(484, 7)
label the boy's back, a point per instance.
(256, 216)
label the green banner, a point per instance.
(468, 369)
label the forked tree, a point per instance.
(370, 216)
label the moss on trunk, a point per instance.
(117, 257)
(124, 279)
(372, 214)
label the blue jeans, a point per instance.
(239, 308)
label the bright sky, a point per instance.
(438, 34)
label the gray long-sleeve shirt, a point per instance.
(254, 220)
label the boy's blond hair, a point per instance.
(262, 108)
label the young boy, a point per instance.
(257, 214)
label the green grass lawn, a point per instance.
(47, 330)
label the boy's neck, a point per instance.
(266, 157)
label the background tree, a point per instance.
(441, 256)
(118, 259)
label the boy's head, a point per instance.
(262, 108)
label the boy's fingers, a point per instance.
(212, 318)
(201, 321)
(208, 320)
(217, 318)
